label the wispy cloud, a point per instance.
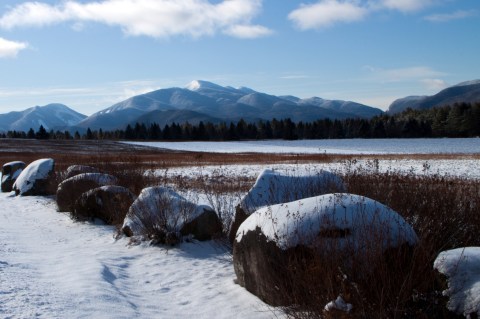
(10, 49)
(407, 5)
(434, 84)
(326, 13)
(248, 31)
(403, 74)
(445, 17)
(153, 18)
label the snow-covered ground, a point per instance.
(343, 146)
(52, 267)
(467, 167)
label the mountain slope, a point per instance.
(208, 101)
(51, 116)
(465, 92)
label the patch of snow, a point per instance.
(36, 170)
(341, 146)
(462, 268)
(300, 222)
(338, 304)
(53, 267)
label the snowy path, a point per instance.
(52, 267)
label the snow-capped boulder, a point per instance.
(163, 215)
(37, 178)
(108, 203)
(10, 173)
(461, 266)
(72, 188)
(79, 169)
(273, 187)
(358, 228)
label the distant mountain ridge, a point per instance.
(465, 92)
(207, 101)
(50, 116)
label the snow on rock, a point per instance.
(349, 220)
(35, 179)
(273, 187)
(160, 212)
(79, 169)
(461, 266)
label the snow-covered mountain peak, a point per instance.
(196, 85)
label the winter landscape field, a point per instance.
(54, 267)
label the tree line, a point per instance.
(458, 120)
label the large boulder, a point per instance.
(37, 179)
(10, 173)
(108, 203)
(351, 228)
(273, 187)
(79, 169)
(72, 188)
(461, 267)
(163, 215)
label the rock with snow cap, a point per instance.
(353, 226)
(108, 203)
(461, 266)
(273, 187)
(72, 188)
(160, 212)
(79, 169)
(10, 173)
(37, 179)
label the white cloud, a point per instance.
(10, 49)
(154, 18)
(326, 13)
(445, 17)
(407, 5)
(435, 84)
(403, 74)
(248, 31)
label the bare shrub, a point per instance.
(445, 213)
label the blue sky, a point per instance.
(90, 54)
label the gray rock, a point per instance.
(37, 179)
(72, 188)
(108, 203)
(162, 215)
(79, 169)
(345, 231)
(10, 172)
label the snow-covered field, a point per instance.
(343, 146)
(52, 267)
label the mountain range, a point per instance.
(51, 116)
(465, 92)
(210, 102)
